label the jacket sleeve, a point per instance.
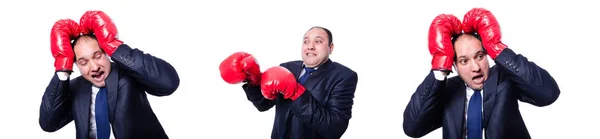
(55, 110)
(157, 76)
(424, 111)
(332, 121)
(535, 84)
(255, 96)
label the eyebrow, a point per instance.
(81, 58)
(480, 51)
(316, 37)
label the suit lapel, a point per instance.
(489, 95)
(112, 85)
(317, 75)
(85, 100)
(296, 70)
(458, 108)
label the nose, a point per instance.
(311, 46)
(94, 66)
(474, 66)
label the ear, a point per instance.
(331, 48)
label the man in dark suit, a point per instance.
(481, 98)
(107, 96)
(313, 97)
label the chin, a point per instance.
(476, 87)
(102, 84)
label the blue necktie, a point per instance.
(102, 123)
(307, 73)
(474, 117)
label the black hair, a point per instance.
(475, 35)
(329, 35)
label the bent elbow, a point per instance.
(549, 99)
(262, 109)
(411, 131)
(172, 86)
(168, 88)
(47, 126)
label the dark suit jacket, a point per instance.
(322, 112)
(442, 103)
(132, 74)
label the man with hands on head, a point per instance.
(480, 98)
(313, 97)
(109, 99)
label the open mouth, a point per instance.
(98, 76)
(478, 79)
(311, 54)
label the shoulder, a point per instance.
(77, 84)
(77, 81)
(288, 64)
(455, 81)
(342, 69)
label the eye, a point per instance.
(319, 41)
(305, 41)
(480, 56)
(98, 56)
(462, 61)
(82, 62)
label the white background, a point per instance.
(384, 42)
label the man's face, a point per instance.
(471, 61)
(315, 47)
(91, 61)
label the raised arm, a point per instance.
(537, 86)
(55, 109)
(158, 77)
(424, 112)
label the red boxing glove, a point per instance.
(240, 66)
(441, 31)
(483, 22)
(280, 80)
(63, 31)
(100, 24)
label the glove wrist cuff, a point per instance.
(254, 79)
(299, 91)
(496, 49)
(112, 47)
(442, 63)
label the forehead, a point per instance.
(86, 46)
(467, 45)
(315, 32)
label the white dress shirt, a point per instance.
(64, 76)
(440, 76)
